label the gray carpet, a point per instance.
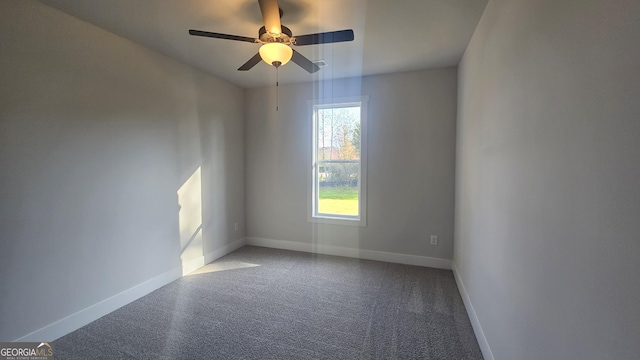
(260, 303)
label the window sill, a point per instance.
(337, 221)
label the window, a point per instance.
(338, 178)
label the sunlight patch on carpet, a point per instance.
(222, 266)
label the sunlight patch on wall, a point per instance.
(190, 220)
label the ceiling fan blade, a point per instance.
(251, 63)
(271, 15)
(221, 36)
(324, 38)
(304, 63)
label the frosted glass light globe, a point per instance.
(273, 52)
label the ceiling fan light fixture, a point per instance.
(276, 53)
(276, 40)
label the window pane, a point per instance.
(338, 133)
(338, 185)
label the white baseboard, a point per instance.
(220, 252)
(477, 328)
(85, 316)
(351, 252)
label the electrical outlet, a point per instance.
(434, 240)
(236, 226)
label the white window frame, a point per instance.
(312, 181)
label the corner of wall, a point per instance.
(473, 317)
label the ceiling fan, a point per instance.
(276, 40)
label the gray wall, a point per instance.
(548, 167)
(97, 134)
(411, 137)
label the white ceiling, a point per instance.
(390, 36)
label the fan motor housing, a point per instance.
(285, 36)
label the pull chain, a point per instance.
(277, 64)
